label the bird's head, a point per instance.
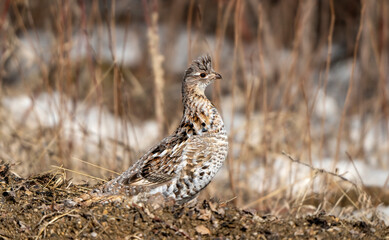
(200, 73)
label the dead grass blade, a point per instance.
(96, 166)
(79, 173)
(53, 221)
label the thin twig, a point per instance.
(350, 86)
(319, 170)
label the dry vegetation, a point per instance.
(304, 83)
(44, 206)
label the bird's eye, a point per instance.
(203, 75)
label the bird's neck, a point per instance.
(199, 116)
(194, 99)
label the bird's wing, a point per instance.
(196, 152)
(159, 164)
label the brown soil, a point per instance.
(43, 207)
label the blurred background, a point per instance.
(88, 86)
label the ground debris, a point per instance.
(46, 206)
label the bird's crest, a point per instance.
(202, 64)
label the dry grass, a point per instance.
(279, 61)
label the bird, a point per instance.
(184, 163)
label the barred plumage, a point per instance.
(184, 163)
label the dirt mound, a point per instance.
(43, 207)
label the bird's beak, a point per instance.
(217, 75)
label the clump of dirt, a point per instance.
(43, 206)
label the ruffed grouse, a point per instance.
(184, 163)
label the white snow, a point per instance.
(384, 213)
(326, 106)
(125, 45)
(52, 110)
